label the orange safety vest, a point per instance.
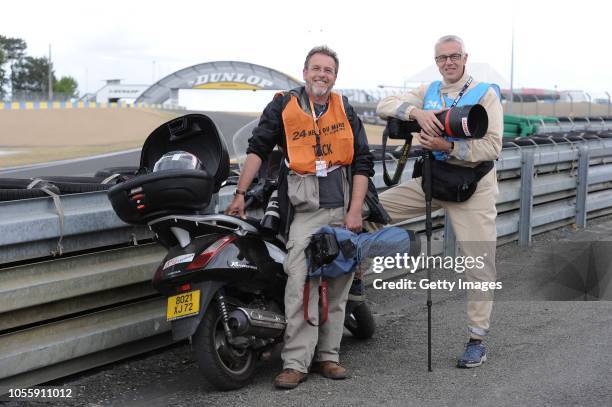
(336, 136)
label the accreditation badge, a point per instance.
(321, 168)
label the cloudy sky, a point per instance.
(557, 43)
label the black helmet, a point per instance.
(178, 160)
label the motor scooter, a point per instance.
(223, 275)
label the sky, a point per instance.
(558, 44)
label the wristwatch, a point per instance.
(239, 192)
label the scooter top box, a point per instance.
(174, 191)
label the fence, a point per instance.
(75, 105)
(93, 304)
(28, 96)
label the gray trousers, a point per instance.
(301, 339)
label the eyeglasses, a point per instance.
(318, 69)
(440, 59)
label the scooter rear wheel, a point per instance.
(360, 322)
(223, 365)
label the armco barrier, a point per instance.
(93, 303)
(36, 228)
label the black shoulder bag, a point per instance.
(452, 183)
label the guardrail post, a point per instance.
(590, 103)
(450, 240)
(527, 168)
(582, 186)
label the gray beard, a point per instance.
(317, 92)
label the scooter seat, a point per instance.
(253, 222)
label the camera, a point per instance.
(322, 249)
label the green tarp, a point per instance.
(522, 126)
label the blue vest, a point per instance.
(433, 101)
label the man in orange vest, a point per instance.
(322, 181)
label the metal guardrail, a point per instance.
(576, 125)
(35, 228)
(60, 314)
(569, 125)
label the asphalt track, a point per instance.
(541, 352)
(228, 123)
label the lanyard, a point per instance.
(469, 81)
(315, 118)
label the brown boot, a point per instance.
(329, 369)
(289, 379)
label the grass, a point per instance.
(36, 155)
(49, 135)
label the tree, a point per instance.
(13, 47)
(30, 75)
(67, 86)
(11, 50)
(3, 77)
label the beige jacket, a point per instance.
(466, 153)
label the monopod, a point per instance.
(428, 226)
(397, 129)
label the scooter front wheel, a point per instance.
(223, 365)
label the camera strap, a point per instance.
(320, 164)
(459, 96)
(401, 163)
(323, 298)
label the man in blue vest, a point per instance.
(473, 220)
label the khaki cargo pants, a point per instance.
(473, 222)
(301, 339)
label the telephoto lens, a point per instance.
(271, 218)
(470, 121)
(464, 122)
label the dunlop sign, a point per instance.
(219, 75)
(231, 80)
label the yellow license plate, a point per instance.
(183, 305)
